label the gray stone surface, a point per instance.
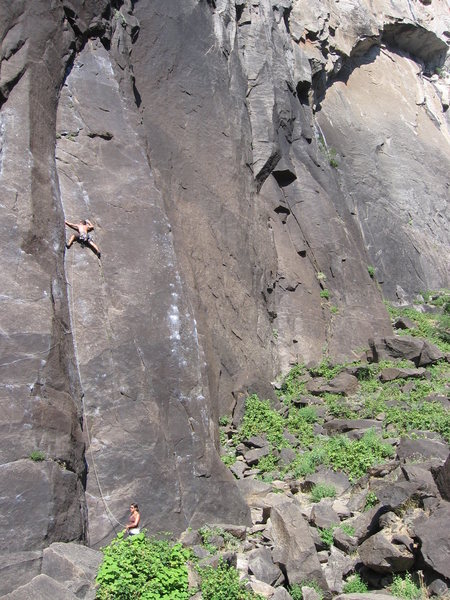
(422, 449)
(419, 351)
(18, 568)
(294, 548)
(382, 556)
(443, 479)
(220, 220)
(72, 565)
(41, 587)
(434, 537)
(260, 565)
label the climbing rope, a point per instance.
(108, 511)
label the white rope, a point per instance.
(85, 420)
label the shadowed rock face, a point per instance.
(192, 146)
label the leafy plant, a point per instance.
(142, 568)
(292, 386)
(326, 535)
(295, 590)
(404, 587)
(322, 490)
(371, 500)
(355, 585)
(325, 294)
(224, 420)
(371, 271)
(355, 457)
(260, 418)
(37, 456)
(228, 459)
(223, 584)
(334, 309)
(347, 528)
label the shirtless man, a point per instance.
(133, 522)
(82, 228)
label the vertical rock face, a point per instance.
(240, 183)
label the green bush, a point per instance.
(37, 456)
(223, 584)
(295, 589)
(371, 500)
(347, 528)
(355, 457)
(322, 490)
(327, 535)
(355, 585)
(292, 386)
(260, 418)
(371, 271)
(404, 587)
(325, 294)
(140, 568)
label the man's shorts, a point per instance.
(84, 237)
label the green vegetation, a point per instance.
(402, 407)
(37, 456)
(347, 528)
(142, 568)
(404, 587)
(325, 294)
(355, 585)
(295, 590)
(371, 500)
(322, 490)
(223, 584)
(433, 326)
(224, 420)
(371, 271)
(327, 535)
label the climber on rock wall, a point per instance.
(133, 523)
(83, 236)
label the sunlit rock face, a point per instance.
(243, 164)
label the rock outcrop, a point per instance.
(243, 165)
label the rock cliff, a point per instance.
(244, 163)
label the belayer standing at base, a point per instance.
(134, 520)
(83, 229)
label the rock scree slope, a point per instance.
(244, 163)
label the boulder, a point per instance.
(40, 587)
(415, 449)
(365, 596)
(281, 593)
(393, 495)
(252, 457)
(433, 534)
(260, 565)
(442, 479)
(18, 568)
(381, 555)
(344, 425)
(392, 373)
(337, 479)
(338, 567)
(73, 565)
(260, 587)
(419, 351)
(294, 550)
(323, 515)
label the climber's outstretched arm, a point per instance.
(71, 225)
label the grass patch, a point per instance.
(322, 490)
(37, 456)
(223, 584)
(405, 588)
(355, 585)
